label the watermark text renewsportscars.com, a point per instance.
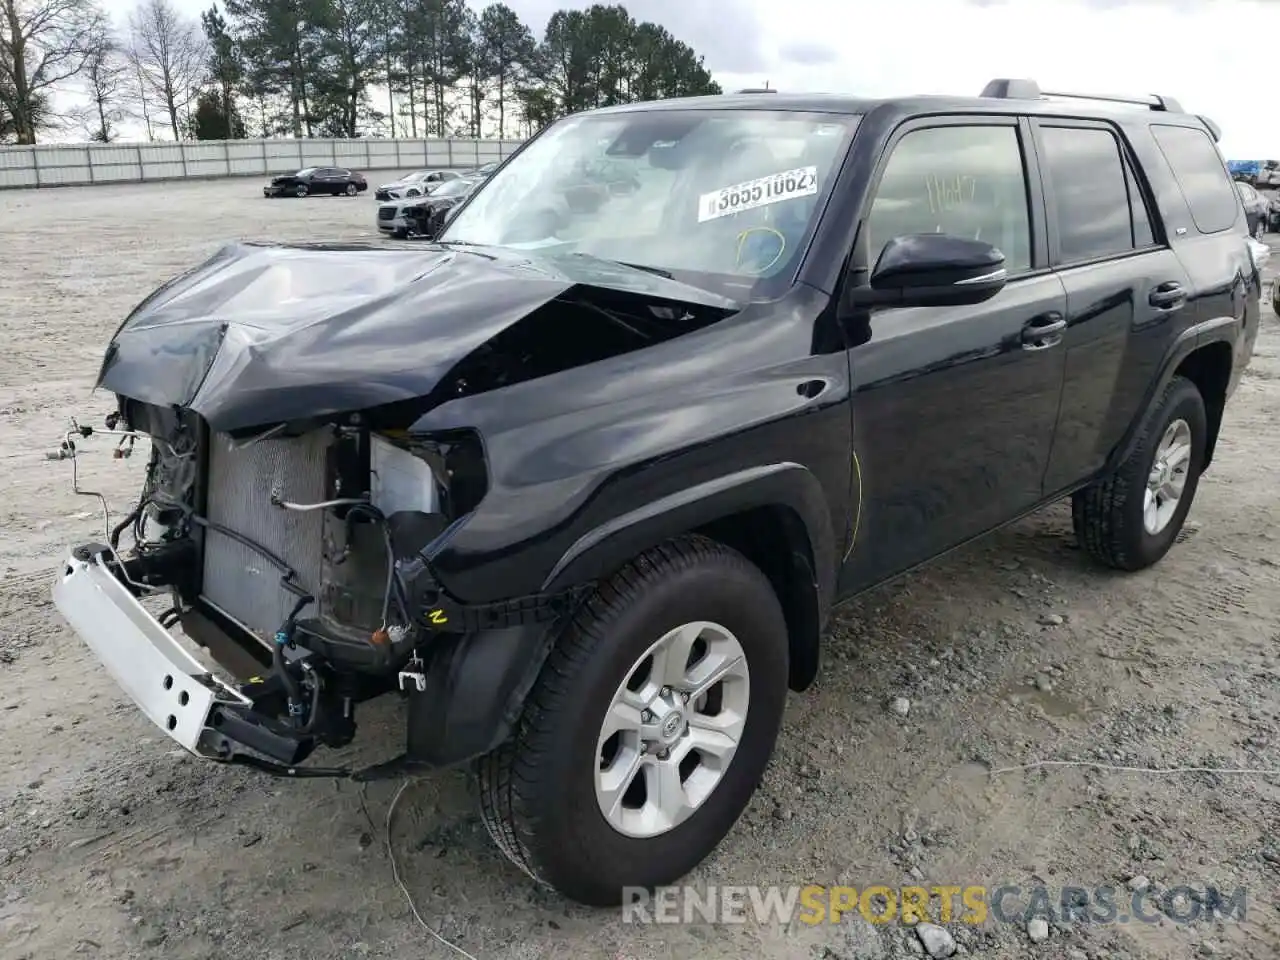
(973, 904)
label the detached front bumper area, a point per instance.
(313, 602)
(463, 693)
(167, 683)
(177, 693)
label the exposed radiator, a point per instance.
(238, 580)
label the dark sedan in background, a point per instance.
(1257, 209)
(1273, 212)
(330, 181)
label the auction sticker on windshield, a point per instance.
(800, 182)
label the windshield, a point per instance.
(717, 198)
(453, 188)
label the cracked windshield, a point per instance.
(717, 199)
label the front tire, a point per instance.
(612, 778)
(1131, 519)
(300, 191)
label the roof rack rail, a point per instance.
(757, 90)
(1005, 89)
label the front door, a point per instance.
(954, 407)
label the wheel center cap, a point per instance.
(672, 726)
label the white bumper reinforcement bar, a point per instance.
(167, 683)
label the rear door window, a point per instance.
(1200, 173)
(1097, 207)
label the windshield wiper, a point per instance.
(656, 271)
(644, 267)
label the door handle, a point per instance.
(1168, 296)
(1043, 331)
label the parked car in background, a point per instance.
(333, 181)
(393, 215)
(1268, 174)
(414, 184)
(1273, 213)
(1256, 209)
(425, 218)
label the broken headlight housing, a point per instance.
(444, 473)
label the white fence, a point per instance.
(59, 165)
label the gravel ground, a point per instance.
(112, 844)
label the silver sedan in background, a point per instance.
(415, 184)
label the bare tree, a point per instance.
(168, 55)
(106, 78)
(43, 43)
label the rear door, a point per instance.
(327, 180)
(1125, 288)
(1207, 236)
(954, 407)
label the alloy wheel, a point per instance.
(1167, 477)
(672, 729)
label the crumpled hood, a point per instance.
(260, 334)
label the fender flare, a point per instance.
(599, 552)
(1218, 330)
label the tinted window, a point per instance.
(964, 181)
(1200, 172)
(1090, 195)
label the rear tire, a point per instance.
(541, 794)
(351, 190)
(1121, 522)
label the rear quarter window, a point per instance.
(1201, 174)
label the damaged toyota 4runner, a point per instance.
(582, 479)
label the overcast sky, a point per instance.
(1209, 54)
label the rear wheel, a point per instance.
(1130, 520)
(649, 726)
(351, 190)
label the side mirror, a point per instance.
(933, 270)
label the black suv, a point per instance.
(583, 479)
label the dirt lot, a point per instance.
(113, 844)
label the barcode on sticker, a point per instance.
(800, 182)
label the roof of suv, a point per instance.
(1007, 96)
